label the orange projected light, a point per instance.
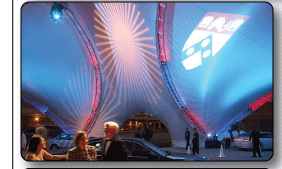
(127, 52)
(78, 95)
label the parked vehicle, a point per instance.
(64, 141)
(141, 150)
(266, 141)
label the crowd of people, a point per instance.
(113, 148)
(229, 135)
(254, 138)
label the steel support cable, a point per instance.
(161, 13)
(98, 88)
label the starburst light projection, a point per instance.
(126, 47)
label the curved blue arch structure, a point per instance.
(214, 48)
(193, 64)
(162, 57)
(94, 113)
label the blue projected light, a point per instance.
(56, 12)
(219, 64)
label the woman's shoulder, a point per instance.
(72, 149)
(30, 157)
(90, 147)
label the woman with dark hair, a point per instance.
(36, 152)
(82, 152)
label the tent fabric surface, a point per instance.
(219, 57)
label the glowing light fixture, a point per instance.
(209, 135)
(56, 11)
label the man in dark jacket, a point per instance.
(195, 142)
(148, 134)
(141, 133)
(256, 142)
(113, 148)
(187, 138)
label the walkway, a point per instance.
(232, 154)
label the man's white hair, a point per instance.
(112, 124)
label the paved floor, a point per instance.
(232, 154)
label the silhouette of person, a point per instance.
(227, 138)
(141, 133)
(256, 142)
(148, 134)
(195, 142)
(187, 138)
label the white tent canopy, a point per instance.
(107, 66)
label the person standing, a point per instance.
(24, 143)
(42, 131)
(148, 134)
(82, 151)
(227, 138)
(113, 148)
(235, 134)
(195, 142)
(256, 142)
(241, 132)
(187, 138)
(141, 133)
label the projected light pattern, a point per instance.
(58, 69)
(127, 51)
(78, 98)
(97, 92)
(213, 31)
(235, 66)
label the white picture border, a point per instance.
(19, 163)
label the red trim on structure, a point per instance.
(261, 101)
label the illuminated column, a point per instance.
(94, 113)
(164, 68)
